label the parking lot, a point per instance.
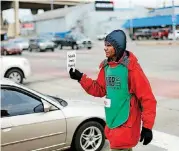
(160, 63)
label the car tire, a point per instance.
(17, 73)
(88, 47)
(164, 38)
(139, 38)
(75, 47)
(30, 49)
(52, 49)
(39, 50)
(89, 127)
(60, 46)
(5, 53)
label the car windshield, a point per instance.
(20, 41)
(58, 100)
(53, 98)
(9, 45)
(17, 41)
(42, 40)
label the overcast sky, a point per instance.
(9, 14)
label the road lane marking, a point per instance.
(166, 141)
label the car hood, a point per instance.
(86, 39)
(48, 43)
(13, 59)
(73, 102)
(77, 108)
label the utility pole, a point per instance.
(131, 17)
(16, 16)
(52, 4)
(173, 20)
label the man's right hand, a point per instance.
(76, 75)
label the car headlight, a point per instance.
(20, 46)
(41, 44)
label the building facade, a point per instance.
(85, 18)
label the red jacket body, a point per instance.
(142, 104)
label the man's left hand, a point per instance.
(146, 136)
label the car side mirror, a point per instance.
(46, 105)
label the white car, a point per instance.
(15, 68)
(34, 121)
(21, 43)
(171, 35)
(84, 42)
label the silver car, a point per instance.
(41, 45)
(34, 121)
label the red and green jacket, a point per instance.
(142, 102)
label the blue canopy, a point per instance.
(58, 34)
(151, 21)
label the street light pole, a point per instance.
(173, 20)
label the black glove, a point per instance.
(77, 75)
(146, 135)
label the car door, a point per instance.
(25, 125)
(65, 41)
(32, 45)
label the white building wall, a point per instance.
(164, 11)
(78, 13)
(52, 25)
(100, 22)
(93, 22)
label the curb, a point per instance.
(158, 43)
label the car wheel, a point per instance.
(5, 53)
(60, 46)
(75, 47)
(30, 49)
(38, 50)
(89, 137)
(164, 38)
(15, 75)
(140, 38)
(89, 48)
(52, 49)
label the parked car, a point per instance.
(160, 34)
(171, 35)
(10, 48)
(75, 42)
(52, 38)
(21, 43)
(34, 121)
(142, 34)
(15, 68)
(41, 45)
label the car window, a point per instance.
(15, 103)
(32, 40)
(41, 40)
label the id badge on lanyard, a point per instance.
(107, 102)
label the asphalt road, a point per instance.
(160, 64)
